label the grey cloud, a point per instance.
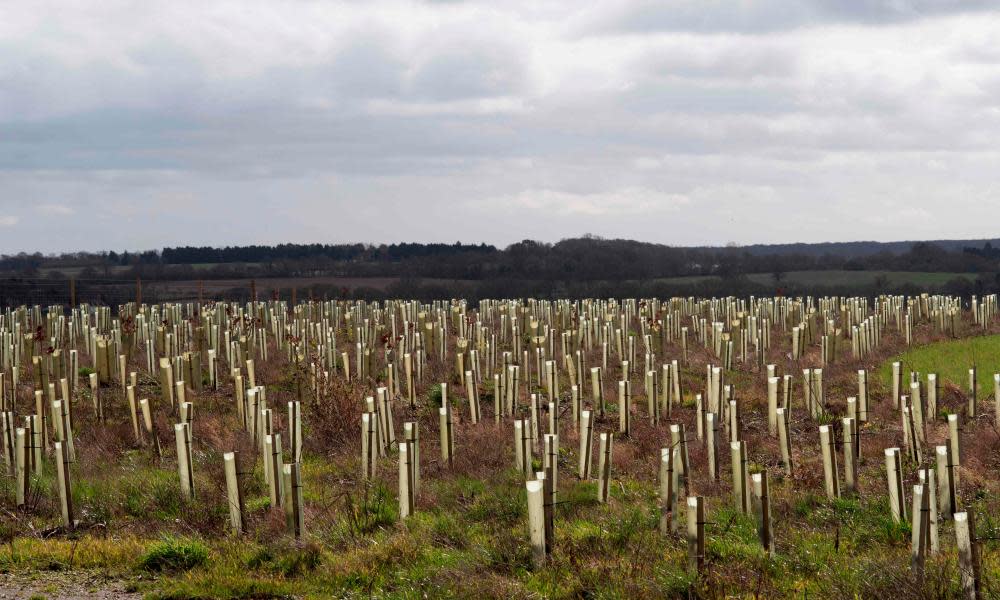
(365, 69)
(892, 11)
(760, 61)
(762, 16)
(388, 122)
(470, 70)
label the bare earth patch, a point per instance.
(62, 585)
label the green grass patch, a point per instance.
(951, 360)
(173, 555)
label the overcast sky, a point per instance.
(136, 125)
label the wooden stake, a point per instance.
(741, 496)
(920, 532)
(850, 460)
(762, 509)
(894, 473)
(604, 467)
(968, 554)
(785, 441)
(369, 445)
(184, 467)
(65, 489)
(668, 491)
(294, 509)
(946, 485)
(696, 533)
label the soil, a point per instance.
(63, 585)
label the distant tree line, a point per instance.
(987, 251)
(578, 265)
(331, 252)
(476, 290)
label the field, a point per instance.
(134, 532)
(831, 277)
(265, 286)
(843, 278)
(859, 278)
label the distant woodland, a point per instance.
(588, 266)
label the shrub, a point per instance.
(300, 561)
(434, 394)
(290, 562)
(372, 509)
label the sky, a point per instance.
(138, 125)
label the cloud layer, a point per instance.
(137, 125)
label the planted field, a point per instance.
(602, 448)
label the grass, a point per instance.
(172, 555)
(951, 361)
(33, 554)
(456, 550)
